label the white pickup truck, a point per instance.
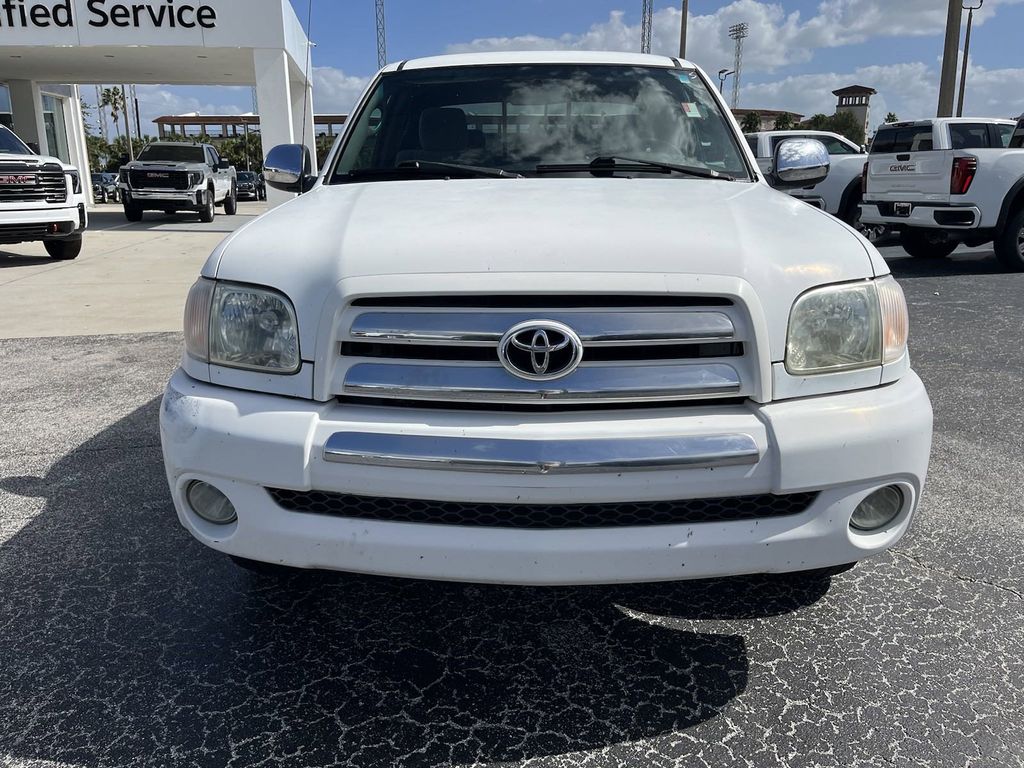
(840, 192)
(946, 181)
(541, 319)
(41, 199)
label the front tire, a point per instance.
(208, 211)
(132, 212)
(925, 244)
(63, 250)
(231, 203)
(1010, 243)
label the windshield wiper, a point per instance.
(607, 163)
(431, 166)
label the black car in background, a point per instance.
(104, 188)
(251, 186)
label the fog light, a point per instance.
(209, 503)
(878, 510)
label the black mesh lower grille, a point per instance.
(543, 516)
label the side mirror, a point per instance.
(863, 149)
(799, 163)
(288, 167)
(224, 165)
(34, 146)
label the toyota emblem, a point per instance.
(540, 350)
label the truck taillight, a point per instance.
(864, 179)
(964, 169)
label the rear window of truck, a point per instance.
(970, 136)
(910, 138)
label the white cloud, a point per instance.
(334, 92)
(776, 38)
(910, 90)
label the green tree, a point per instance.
(324, 144)
(244, 152)
(113, 99)
(99, 152)
(751, 122)
(891, 118)
(819, 122)
(846, 124)
(119, 151)
(785, 122)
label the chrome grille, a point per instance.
(31, 184)
(157, 179)
(638, 350)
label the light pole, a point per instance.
(682, 30)
(967, 52)
(722, 75)
(947, 85)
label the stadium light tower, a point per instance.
(737, 32)
(382, 47)
(646, 26)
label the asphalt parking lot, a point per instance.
(123, 642)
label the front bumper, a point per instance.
(50, 223)
(183, 198)
(843, 446)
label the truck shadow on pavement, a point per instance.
(982, 262)
(107, 220)
(10, 259)
(123, 641)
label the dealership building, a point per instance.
(49, 48)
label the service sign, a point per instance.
(101, 13)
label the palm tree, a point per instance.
(114, 99)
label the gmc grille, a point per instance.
(21, 184)
(176, 180)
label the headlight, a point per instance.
(241, 326)
(122, 176)
(76, 182)
(195, 178)
(848, 326)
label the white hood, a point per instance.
(8, 157)
(550, 228)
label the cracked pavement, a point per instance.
(123, 642)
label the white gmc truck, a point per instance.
(946, 181)
(41, 200)
(541, 319)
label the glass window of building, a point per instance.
(56, 128)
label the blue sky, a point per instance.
(798, 52)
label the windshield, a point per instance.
(170, 153)
(518, 117)
(246, 176)
(11, 144)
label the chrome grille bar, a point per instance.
(594, 328)
(541, 457)
(479, 383)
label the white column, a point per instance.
(27, 107)
(274, 94)
(302, 113)
(77, 145)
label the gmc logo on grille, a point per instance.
(158, 175)
(11, 179)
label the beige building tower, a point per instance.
(857, 100)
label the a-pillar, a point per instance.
(27, 110)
